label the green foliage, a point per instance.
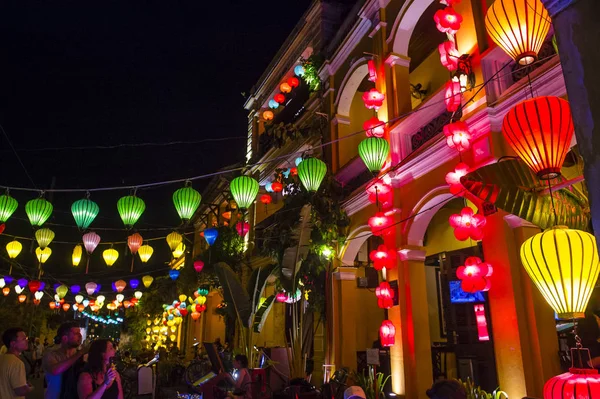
(311, 71)
(228, 248)
(367, 381)
(475, 392)
(27, 316)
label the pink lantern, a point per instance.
(458, 136)
(374, 127)
(467, 225)
(387, 333)
(380, 223)
(379, 191)
(382, 257)
(198, 266)
(281, 297)
(372, 70)
(242, 228)
(449, 3)
(120, 285)
(453, 178)
(449, 55)
(447, 20)
(90, 288)
(91, 241)
(475, 275)
(453, 96)
(385, 295)
(134, 242)
(373, 99)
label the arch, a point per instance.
(352, 80)
(405, 23)
(429, 205)
(355, 240)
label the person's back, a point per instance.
(447, 389)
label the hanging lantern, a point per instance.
(198, 266)
(78, 298)
(38, 211)
(519, 27)
(266, 199)
(44, 237)
(120, 285)
(374, 151)
(100, 299)
(383, 258)
(138, 295)
(276, 187)
(312, 172)
(372, 68)
(8, 206)
(84, 212)
(6, 291)
(38, 295)
(279, 98)
(22, 298)
(273, 104)
(179, 251)
(580, 382)
(387, 333)
(385, 295)
(66, 306)
(130, 209)
(447, 20)
(293, 82)
(145, 252)
(34, 286)
(242, 228)
(43, 254)
(285, 87)
(449, 55)
(90, 288)
(134, 283)
(52, 305)
(475, 275)
(373, 99)
(467, 225)
(2, 282)
(134, 242)
(299, 70)
(244, 190)
(110, 256)
(458, 136)
(62, 290)
(374, 127)
(14, 249)
(453, 96)
(453, 178)
(75, 289)
(294, 171)
(563, 264)
(196, 315)
(380, 224)
(90, 241)
(174, 274)
(76, 257)
(186, 201)
(147, 281)
(540, 131)
(22, 283)
(268, 115)
(380, 192)
(174, 239)
(120, 297)
(210, 235)
(281, 297)
(8, 279)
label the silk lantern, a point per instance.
(453, 96)
(79, 298)
(196, 315)
(383, 258)
(385, 295)
(273, 104)
(374, 127)
(76, 256)
(380, 223)
(387, 333)
(374, 151)
(279, 98)
(581, 382)
(90, 241)
(174, 274)
(174, 239)
(130, 209)
(372, 68)
(145, 252)
(62, 290)
(22, 282)
(268, 115)
(276, 187)
(519, 27)
(43, 254)
(34, 286)
(299, 70)
(449, 55)
(186, 201)
(179, 251)
(475, 275)
(293, 81)
(75, 289)
(244, 190)
(266, 199)
(138, 295)
(38, 211)
(467, 225)
(458, 136)
(373, 99)
(90, 288)
(38, 295)
(285, 87)
(453, 178)
(312, 172)
(22, 298)
(110, 256)
(120, 297)
(5, 291)
(210, 235)
(120, 285)
(44, 237)
(447, 20)
(66, 307)
(8, 206)
(134, 283)
(84, 212)
(13, 249)
(242, 228)
(198, 266)
(147, 281)
(540, 131)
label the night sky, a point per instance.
(102, 73)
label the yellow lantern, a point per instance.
(519, 27)
(44, 237)
(182, 298)
(179, 251)
(173, 337)
(170, 323)
(110, 256)
(76, 257)
(43, 254)
(174, 239)
(145, 252)
(563, 263)
(14, 249)
(148, 330)
(147, 280)
(148, 322)
(173, 329)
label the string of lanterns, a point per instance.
(285, 87)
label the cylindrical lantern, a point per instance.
(387, 333)
(173, 240)
(186, 201)
(519, 27)
(43, 254)
(385, 295)
(147, 281)
(242, 228)
(90, 241)
(563, 264)
(76, 257)
(44, 237)
(134, 242)
(38, 211)
(449, 55)
(14, 249)
(179, 251)
(145, 252)
(120, 285)
(312, 172)
(84, 212)
(210, 235)
(244, 190)
(453, 96)
(90, 288)
(374, 151)
(198, 266)
(8, 205)
(540, 131)
(110, 256)
(130, 209)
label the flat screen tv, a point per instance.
(457, 295)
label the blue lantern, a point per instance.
(55, 286)
(298, 160)
(299, 70)
(75, 289)
(42, 285)
(8, 279)
(21, 282)
(273, 104)
(286, 173)
(134, 283)
(269, 187)
(98, 286)
(210, 235)
(114, 287)
(174, 274)
(170, 317)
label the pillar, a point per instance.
(398, 84)
(577, 32)
(340, 127)
(344, 287)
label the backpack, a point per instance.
(68, 386)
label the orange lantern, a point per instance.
(268, 115)
(6, 291)
(519, 27)
(196, 315)
(66, 306)
(540, 131)
(36, 302)
(120, 285)
(52, 305)
(285, 87)
(22, 298)
(80, 307)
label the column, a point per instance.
(577, 32)
(398, 84)
(340, 127)
(344, 320)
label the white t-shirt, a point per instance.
(12, 375)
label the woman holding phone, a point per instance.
(99, 379)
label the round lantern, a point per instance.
(374, 151)
(52, 305)
(147, 281)
(196, 315)
(44, 237)
(276, 187)
(134, 283)
(174, 274)
(173, 240)
(38, 295)
(14, 249)
(134, 242)
(519, 27)
(312, 172)
(380, 223)
(179, 251)
(563, 264)
(383, 258)
(273, 104)
(374, 127)
(62, 290)
(210, 235)
(84, 212)
(244, 190)
(281, 297)
(79, 298)
(186, 201)
(90, 288)
(373, 99)
(138, 294)
(22, 298)
(198, 266)
(266, 199)
(130, 209)
(540, 131)
(6, 291)
(447, 20)
(242, 228)
(100, 299)
(34, 286)
(293, 81)
(76, 256)
(268, 115)
(8, 205)
(578, 383)
(387, 333)
(110, 256)
(145, 252)
(285, 87)
(66, 306)
(458, 136)
(43, 254)
(299, 70)
(38, 211)
(90, 241)
(120, 297)
(280, 98)
(120, 285)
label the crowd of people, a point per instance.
(71, 369)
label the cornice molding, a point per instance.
(356, 203)
(412, 253)
(514, 222)
(343, 52)
(345, 273)
(394, 59)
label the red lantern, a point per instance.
(385, 295)
(580, 382)
(387, 333)
(198, 266)
(277, 187)
(482, 330)
(467, 225)
(449, 3)
(380, 223)
(134, 301)
(540, 131)
(52, 305)
(66, 306)
(372, 70)
(280, 98)
(373, 99)
(458, 136)
(475, 275)
(447, 20)
(453, 96)
(453, 178)
(266, 199)
(294, 171)
(22, 298)
(6, 291)
(449, 55)
(134, 242)
(379, 191)
(281, 297)
(382, 257)
(196, 315)
(34, 286)
(374, 127)
(242, 228)
(293, 81)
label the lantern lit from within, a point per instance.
(38, 295)
(280, 98)
(90, 241)
(475, 275)
(174, 274)
(84, 212)
(312, 172)
(577, 383)
(453, 96)
(2, 282)
(449, 55)
(276, 187)
(120, 285)
(387, 333)
(385, 295)
(134, 242)
(380, 223)
(242, 228)
(381, 192)
(90, 288)
(62, 290)
(198, 266)
(100, 299)
(453, 178)
(76, 256)
(43, 254)
(285, 87)
(110, 256)
(179, 251)
(299, 70)
(458, 136)
(374, 127)
(382, 257)
(210, 235)
(38, 211)
(78, 298)
(540, 131)
(273, 104)
(196, 315)
(447, 20)
(268, 115)
(519, 27)
(66, 306)
(482, 329)
(374, 151)
(467, 225)
(186, 201)
(373, 99)
(563, 264)
(22, 298)
(372, 68)
(6, 291)
(120, 297)
(147, 281)
(130, 209)
(145, 252)
(22, 282)
(266, 199)
(34, 286)
(44, 237)
(173, 240)
(8, 206)
(244, 190)
(293, 81)
(14, 249)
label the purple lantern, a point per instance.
(134, 283)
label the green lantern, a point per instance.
(244, 190)
(130, 209)
(8, 205)
(311, 172)
(84, 212)
(186, 201)
(38, 211)
(374, 151)
(44, 237)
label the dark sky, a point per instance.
(98, 73)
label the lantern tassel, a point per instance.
(87, 265)
(132, 259)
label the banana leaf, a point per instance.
(293, 256)
(260, 316)
(258, 281)
(234, 294)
